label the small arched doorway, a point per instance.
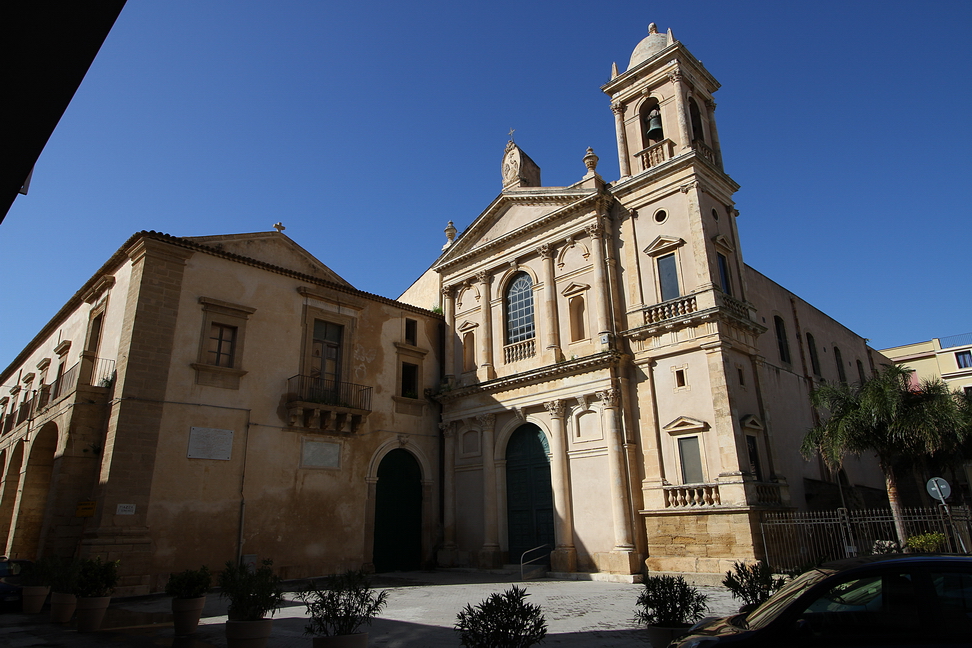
(398, 513)
(529, 498)
(35, 491)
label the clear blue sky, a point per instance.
(365, 126)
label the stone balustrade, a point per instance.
(705, 152)
(655, 154)
(764, 493)
(519, 350)
(671, 309)
(692, 496)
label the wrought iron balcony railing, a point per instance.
(311, 389)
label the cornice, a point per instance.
(542, 374)
(712, 180)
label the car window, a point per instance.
(769, 610)
(953, 605)
(882, 604)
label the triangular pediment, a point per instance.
(663, 245)
(273, 248)
(685, 424)
(751, 422)
(574, 288)
(723, 242)
(466, 325)
(516, 211)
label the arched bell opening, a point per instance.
(651, 123)
(698, 134)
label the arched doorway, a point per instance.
(35, 490)
(529, 498)
(398, 513)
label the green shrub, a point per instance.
(344, 603)
(502, 621)
(189, 584)
(669, 602)
(885, 547)
(252, 592)
(926, 542)
(752, 584)
(96, 578)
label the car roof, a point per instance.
(905, 559)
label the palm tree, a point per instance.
(890, 417)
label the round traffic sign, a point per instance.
(938, 488)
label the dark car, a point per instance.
(10, 592)
(899, 600)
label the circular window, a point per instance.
(661, 216)
(715, 214)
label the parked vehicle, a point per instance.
(888, 600)
(10, 587)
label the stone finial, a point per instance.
(590, 160)
(652, 28)
(671, 37)
(614, 70)
(450, 232)
(279, 227)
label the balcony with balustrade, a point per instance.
(324, 405)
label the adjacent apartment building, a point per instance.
(608, 384)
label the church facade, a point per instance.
(608, 386)
(620, 387)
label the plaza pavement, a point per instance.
(421, 612)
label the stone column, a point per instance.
(600, 288)
(447, 554)
(449, 306)
(624, 560)
(489, 556)
(564, 556)
(713, 133)
(623, 162)
(487, 372)
(551, 325)
(676, 78)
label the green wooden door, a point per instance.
(529, 500)
(398, 513)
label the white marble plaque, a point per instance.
(210, 443)
(125, 509)
(320, 454)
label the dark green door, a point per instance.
(529, 500)
(398, 513)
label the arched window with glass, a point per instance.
(520, 324)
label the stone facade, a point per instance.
(608, 385)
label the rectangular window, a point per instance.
(668, 277)
(411, 332)
(409, 380)
(754, 457)
(326, 350)
(690, 459)
(724, 274)
(222, 344)
(964, 359)
(781, 341)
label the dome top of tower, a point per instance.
(650, 45)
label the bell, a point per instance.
(655, 128)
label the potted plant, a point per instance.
(668, 606)
(64, 579)
(188, 591)
(96, 581)
(502, 620)
(753, 584)
(252, 593)
(35, 581)
(339, 609)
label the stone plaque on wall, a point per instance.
(210, 443)
(320, 454)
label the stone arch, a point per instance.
(393, 444)
(399, 507)
(9, 485)
(503, 435)
(569, 248)
(467, 290)
(503, 280)
(34, 493)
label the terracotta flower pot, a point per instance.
(248, 634)
(34, 597)
(186, 613)
(62, 607)
(357, 640)
(91, 612)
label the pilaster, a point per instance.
(564, 556)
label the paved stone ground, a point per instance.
(422, 608)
